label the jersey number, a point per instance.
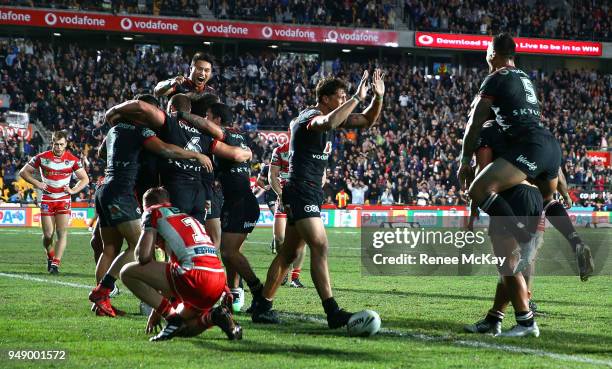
(328, 148)
(530, 94)
(198, 234)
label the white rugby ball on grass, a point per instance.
(364, 323)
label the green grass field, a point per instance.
(422, 318)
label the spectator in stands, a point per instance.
(358, 191)
(342, 199)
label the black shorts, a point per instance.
(301, 201)
(114, 205)
(215, 196)
(240, 215)
(527, 204)
(536, 154)
(491, 136)
(189, 197)
(270, 198)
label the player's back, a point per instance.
(185, 239)
(234, 176)
(123, 146)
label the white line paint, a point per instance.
(386, 331)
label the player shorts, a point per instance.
(537, 154)
(115, 206)
(197, 288)
(279, 211)
(240, 215)
(526, 203)
(270, 198)
(214, 195)
(189, 197)
(301, 201)
(54, 207)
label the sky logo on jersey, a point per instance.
(531, 165)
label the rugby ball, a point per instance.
(364, 324)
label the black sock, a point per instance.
(108, 282)
(494, 316)
(330, 306)
(496, 206)
(558, 217)
(524, 318)
(256, 287)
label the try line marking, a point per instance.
(383, 331)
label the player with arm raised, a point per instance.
(199, 75)
(56, 167)
(117, 207)
(302, 195)
(194, 274)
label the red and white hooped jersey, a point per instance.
(55, 172)
(280, 158)
(185, 239)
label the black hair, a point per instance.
(224, 112)
(180, 102)
(328, 87)
(504, 45)
(148, 98)
(200, 105)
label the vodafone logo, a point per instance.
(332, 36)
(50, 19)
(126, 23)
(198, 28)
(425, 39)
(266, 32)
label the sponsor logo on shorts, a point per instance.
(249, 224)
(115, 211)
(44, 207)
(311, 209)
(531, 165)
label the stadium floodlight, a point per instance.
(128, 38)
(207, 43)
(273, 46)
(346, 50)
(57, 34)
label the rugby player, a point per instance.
(116, 205)
(200, 73)
(302, 194)
(277, 177)
(264, 188)
(240, 210)
(193, 276)
(532, 153)
(56, 167)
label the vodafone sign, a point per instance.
(523, 45)
(194, 27)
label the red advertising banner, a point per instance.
(600, 158)
(8, 131)
(194, 27)
(523, 45)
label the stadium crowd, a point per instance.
(580, 19)
(408, 158)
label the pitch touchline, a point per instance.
(384, 331)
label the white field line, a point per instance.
(387, 331)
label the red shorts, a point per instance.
(197, 288)
(51, 208)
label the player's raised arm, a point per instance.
(336, 117)
(234, 153)
(137, 112)
(370, 115)
(202, 124)
(164, 88)
(159, 147)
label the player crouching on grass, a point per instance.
(194, 274)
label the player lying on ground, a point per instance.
(56, 167)
(240, 210)
(302, 195)
(117, 207)
(492, 145)
(194, 275)
(533, 152)
(526, 202)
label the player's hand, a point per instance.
(205, 162)
(178, 80)
(153, 323)
(69, 190)
(41, 185)
(279, 206)
(207, 205)
(466, 175)
(364, 86)
(378, 82)
(567, 200)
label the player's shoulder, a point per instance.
(284, 147)
(68, 155)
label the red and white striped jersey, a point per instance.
(280, 158)
(56, 172)
(185, 239)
